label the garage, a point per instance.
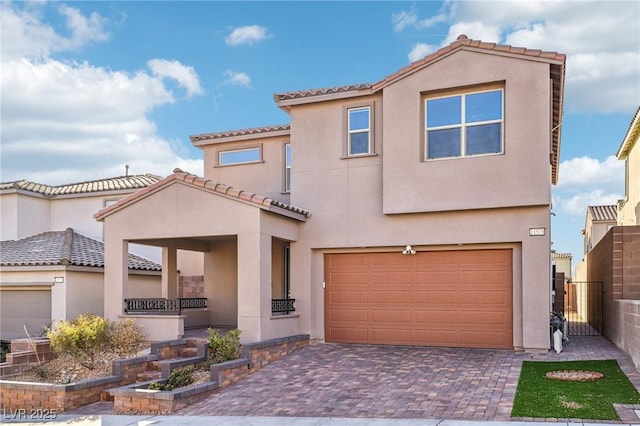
(20, 308)
(458, 298)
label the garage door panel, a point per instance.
(390, 316)
(449, 298)
(390, 335)
(24, 308)
(348, 260)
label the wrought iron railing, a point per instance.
(284, 306)
(163, 306)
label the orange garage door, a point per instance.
(448, 298)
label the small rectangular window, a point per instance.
(287, 167)
(239, 156)
(464, 125)
(359, 129)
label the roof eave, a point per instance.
(630, 137)
(287, 103)
(203, 140)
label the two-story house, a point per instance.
(629, 207)
(412, 211)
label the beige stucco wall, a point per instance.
(23, 215)
(630, 211)
(519, 177)
(265, 178)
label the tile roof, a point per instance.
(633, 132)
(603, 213)
(62, 248)
(240, 132)
(318, 92)
(99, 185)
(561, 255)
(213, 187)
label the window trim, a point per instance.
(346, 133)
(463, 126)
(286, 179)
(221, 151)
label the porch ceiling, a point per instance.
(200, 243)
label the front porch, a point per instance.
(245, 240)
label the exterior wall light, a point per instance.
(408, 250)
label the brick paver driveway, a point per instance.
(330, 380)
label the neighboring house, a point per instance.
(598, 221)
(30, 211)
(422, 218)
(629, 152)
(58, 275)
(563, 263)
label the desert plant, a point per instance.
(126, 337)
(83, 338)
(180, 377)
(224, 347)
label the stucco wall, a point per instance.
(630, 211)
(22, 216)
(265, 178)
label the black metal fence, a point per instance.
(284, 306)
(163, 306)
(583, 303)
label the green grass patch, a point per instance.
(538, 396)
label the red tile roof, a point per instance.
(603, 213)
(99, 185)
(213, 187)
(240, 132)
(62, 248)
(318, 92)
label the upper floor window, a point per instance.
(359, 130)
(239, 156)
(287, 167)
(464, 125)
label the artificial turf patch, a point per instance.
(539, 396)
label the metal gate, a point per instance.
(583, 302)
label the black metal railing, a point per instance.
(163, 306)
(282, 306)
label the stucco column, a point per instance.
(59, 298)
(254, 284)
(536, 293)
(169, 273)
(116, 277)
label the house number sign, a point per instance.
(536, 232)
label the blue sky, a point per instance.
(88, 87)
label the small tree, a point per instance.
(224, 347)
(83, 338)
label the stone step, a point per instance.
(167, 365)
(188, 352)
(149, 375)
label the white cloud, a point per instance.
(600, 38)
(237, 78)
(584, 172)
(585, 181)
(185, 76)
(247, 35)
(420, 50)
(404, 19)
(577, 205)
(24, 34)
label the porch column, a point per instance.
(254, 284)
(116, 277)
(169, 273)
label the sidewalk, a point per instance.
(75, 420)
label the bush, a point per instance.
(224, 347)
(83, 338)
(180, 377)
(126, 337)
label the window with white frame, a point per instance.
(239, 156)
(464, 125)
(359, 131)
(287, 167)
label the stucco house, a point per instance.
(598, 221)
(629, 152)
(414, 210)
(51, 252)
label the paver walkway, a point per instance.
(331, 380)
